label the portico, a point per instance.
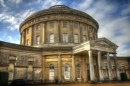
(95, 49)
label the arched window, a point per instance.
(76, 38)
(84, 38)
(67, 71)
(38, 39)
(51, 75)
(51, 38)
(78, 71)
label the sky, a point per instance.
(113, 17)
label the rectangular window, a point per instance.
(28, 30)
(84, 38)
(75, 25)
(38, 39)
(84, 27)
(51, 38)
(64, 24)
(38, 27)
(65, 37)
(76, 38)
(51, 24)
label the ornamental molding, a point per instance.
(41, 19)
(101, 44)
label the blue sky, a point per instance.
(113, 17)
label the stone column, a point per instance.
(12, 60)
(92, 75)
(117, 68)
(81, 34)
(32, 35)
(44, 32)
(73, 68)
(30, 68)
(71, 33)
(84, 70)
(43, 68)
(100, 67)
(59, 68)
(109, 67)
(58, 35)
(21, 38)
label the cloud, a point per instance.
(14, 19)
(2, 3)
(15, 1)
(13, 40)
(115, 28)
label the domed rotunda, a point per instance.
(60, 44)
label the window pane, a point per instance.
(38, 27)
(51, 38)
(84, 38)
(75, 25)
(51, 24)
(65, 37)
(64, 24)
(51, 74)
(76, 38)
(67, 71)
(78, 71)
(38, 39)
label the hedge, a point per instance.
(4, 78)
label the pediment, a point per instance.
(103, 42)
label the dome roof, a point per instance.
(58, 9)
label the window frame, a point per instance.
(84, 36)
(76, 39)
(75, 25)
(64, 25)
(51, 72)
(51, 24)
(37, 27)
(38, 40)
(78, 70)
(67, 72)
(52, 40)
(65, 38)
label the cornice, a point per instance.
(58, 11)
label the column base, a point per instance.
(92, 82)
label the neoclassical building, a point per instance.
(61, 43)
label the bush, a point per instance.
(123, 77)
(18, 82)
(4, 78)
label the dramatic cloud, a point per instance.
(113, 17)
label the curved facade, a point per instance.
(61, 43)
(58, 24)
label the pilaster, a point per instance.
(73, 68)
(12, 60)
(30, 68)
(59, 68)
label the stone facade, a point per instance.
(61, 44)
